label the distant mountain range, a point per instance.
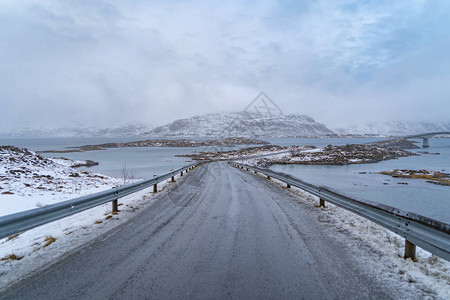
(136, 130)
(394, 128)
(242, 124)
(238, 124)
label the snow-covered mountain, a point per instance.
(242, 124)
(136, 130)
(394, 128)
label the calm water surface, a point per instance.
(417, 196)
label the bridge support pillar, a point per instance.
(321, 202)
(410, 250)
(155, 188)
(425, 143)
(115, 206)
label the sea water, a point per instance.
(363, 181)
(139, 162)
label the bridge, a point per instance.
(224, 231)
(426, 136)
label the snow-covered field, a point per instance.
(381, 250)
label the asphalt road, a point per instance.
(222, 233)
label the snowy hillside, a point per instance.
(28, 180)
(242, 124)
(395, 128)
(124, 131)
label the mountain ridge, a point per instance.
(243, 124)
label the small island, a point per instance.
(430, 176)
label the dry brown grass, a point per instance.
(12, 236)
(12, 257)
(49, 240)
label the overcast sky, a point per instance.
(109, 63)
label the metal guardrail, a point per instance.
(429, 234)
(22, 221)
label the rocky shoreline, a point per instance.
(26, 174)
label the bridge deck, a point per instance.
(223, 233)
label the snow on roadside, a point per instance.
(40, 247)
(381, 251)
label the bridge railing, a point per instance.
(429, 234)
(22, 221)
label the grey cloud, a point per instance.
(108, 63)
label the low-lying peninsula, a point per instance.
(339, 155)
(227, 142)
(265, 156)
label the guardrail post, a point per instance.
(410, 250)
(288, 185)
(155, 188)
(321, 202)
(181, 173)
(115, 206)
(256, 172)
(173, 178)
(268, 177)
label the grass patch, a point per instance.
(108, 217)
(12, 236)
(12, 257)
(49, 240)
(98, 222)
